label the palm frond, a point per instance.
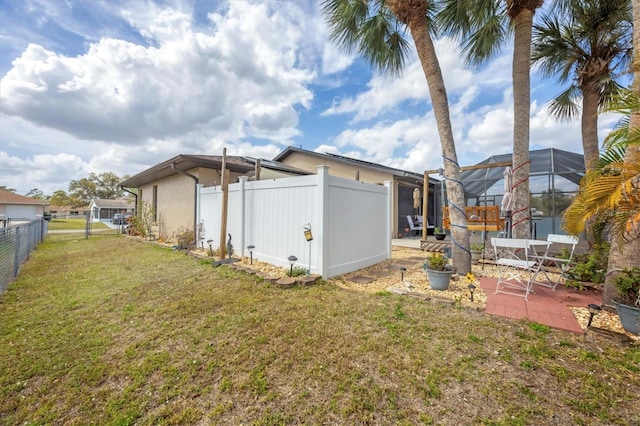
(344, 18)
(482, 26)
(624, 102)
(612, 156)
(589, 43)
(369, 29)
(610, 193)
(565, 107)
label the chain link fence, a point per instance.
(17, 240)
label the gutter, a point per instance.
(135, 212)
(195, 199)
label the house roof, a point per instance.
(66, 208)
(404, 175)
(275, 165)
(187, 162)
(113, 204)
(544, 162)
(8, 197)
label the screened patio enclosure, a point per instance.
(554, 178)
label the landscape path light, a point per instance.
(402, 271)
(471, 288)
(210, 248)
(250, 248)
(593, 311)
(292, 260)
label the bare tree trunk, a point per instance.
(590, 143)
(626, 254)
(523, 23)
(455, 192)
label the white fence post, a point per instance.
(387, 184)
(243, 214)
(199, 235)
(323, 214)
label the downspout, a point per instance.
(195, 200)
(135, 211)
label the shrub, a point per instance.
(628, 284)
(184, 236)
(436, 262)
(298, 271)
(589, 267)
(141, 224)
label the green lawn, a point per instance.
(114, 331)
(73, 224)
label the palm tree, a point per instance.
(589, 45)
(484, 26)
(610, 194)
(375, 29)
(626, 254)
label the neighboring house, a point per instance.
(167, 191)
(66, 212)
(103, 210)
(403, 182)
(19, 207)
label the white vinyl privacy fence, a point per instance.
(349, 221)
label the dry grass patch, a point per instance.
(118, 331)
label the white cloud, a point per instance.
(244, 78)
(121, 105)
(42, 171)
(147, 81)
(411, 144)
(385, 93)
(495, 128)
(333, 61)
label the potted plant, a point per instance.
(437, 232)
(476, 252)
(628, 284)
(438, 271)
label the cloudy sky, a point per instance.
(95, 86)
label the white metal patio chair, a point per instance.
(413, 228)
(515, 266)
(563, 263)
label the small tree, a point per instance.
(141, 224)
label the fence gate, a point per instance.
(104, 227)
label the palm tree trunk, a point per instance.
(455, 192)
(626, 254)
(523, 23)
(590, 143)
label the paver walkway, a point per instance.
(545, 306)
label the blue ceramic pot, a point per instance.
(629, 317)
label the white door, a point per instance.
(20, 212)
